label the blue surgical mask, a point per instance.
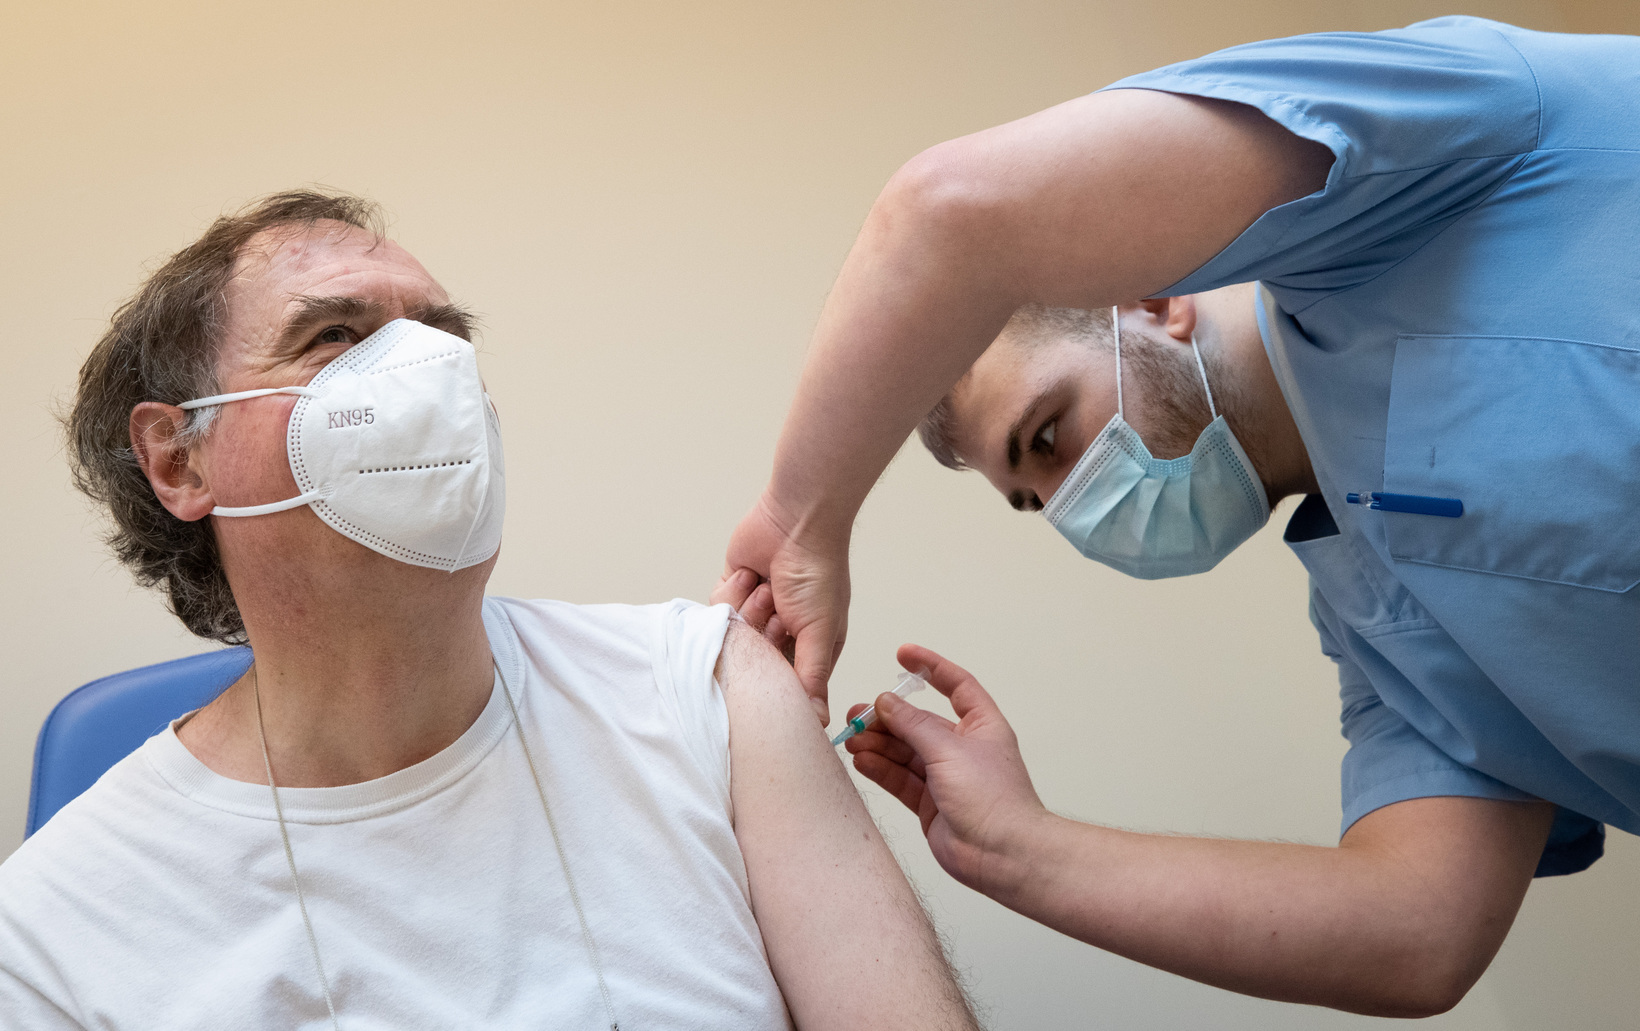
(1154, 518)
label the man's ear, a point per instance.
(1175, 316)
(156, 439)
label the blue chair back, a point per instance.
(103, 722)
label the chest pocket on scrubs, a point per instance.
(1540, 440)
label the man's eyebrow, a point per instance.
(1014, 431)
(455, 319)
(310, 312)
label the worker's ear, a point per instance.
(1175, 316)
(158, 441)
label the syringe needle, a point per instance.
(909, 682)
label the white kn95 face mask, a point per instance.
(396, 445)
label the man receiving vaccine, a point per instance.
(420, 807)
(1393, 273)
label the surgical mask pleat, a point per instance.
(1153, 518)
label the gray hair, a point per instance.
(162, 345)
(1032, 324)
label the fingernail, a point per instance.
(743, 577)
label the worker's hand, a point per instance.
(806, 573)
(966, 780)
(750, 596)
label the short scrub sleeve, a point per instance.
(1389, 762)
(1423, 122)
(688, 641)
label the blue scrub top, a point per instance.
(1457, 315)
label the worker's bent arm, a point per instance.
(1101, 200)
(1399, 920)
(847, 939)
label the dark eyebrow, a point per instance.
(311, 312)
(453, 319)
(1019, 425)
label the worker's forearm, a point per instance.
(1326, 926)
(915, 303)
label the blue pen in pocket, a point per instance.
(1412, 504)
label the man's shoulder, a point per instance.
(610, 636)
(550, 616)
(123, 814)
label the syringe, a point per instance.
(909, 682)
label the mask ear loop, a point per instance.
(1203, 370)
(243, 395)
(1116, 327)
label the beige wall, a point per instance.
(648, 202)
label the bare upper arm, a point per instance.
(1113, 196)
(847, 938)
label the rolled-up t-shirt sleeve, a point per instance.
(686, 655)
(1423, 122)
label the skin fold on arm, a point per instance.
(847, 939)
(1400, 919)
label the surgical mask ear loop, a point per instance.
(1116, 327)
(1214, 412)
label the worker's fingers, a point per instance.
(949, 679)
(759, 607)
(817, 647)
(734, 588)
(776, 634)
(930, 735)
(893, 778)
(886, 745)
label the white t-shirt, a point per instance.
(161, 897)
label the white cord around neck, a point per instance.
(290, 856)
(552, 825)
(563, 860)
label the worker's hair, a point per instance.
(162, 345)
(1032, 325)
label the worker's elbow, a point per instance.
(1426, 984)
(944, 192)
(1415, 1002)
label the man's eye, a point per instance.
(1042, 443)
(335, 335)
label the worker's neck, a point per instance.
(1258, 414)
(1284, 465)
(361, 672)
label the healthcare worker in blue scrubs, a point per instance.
(1439, 345)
